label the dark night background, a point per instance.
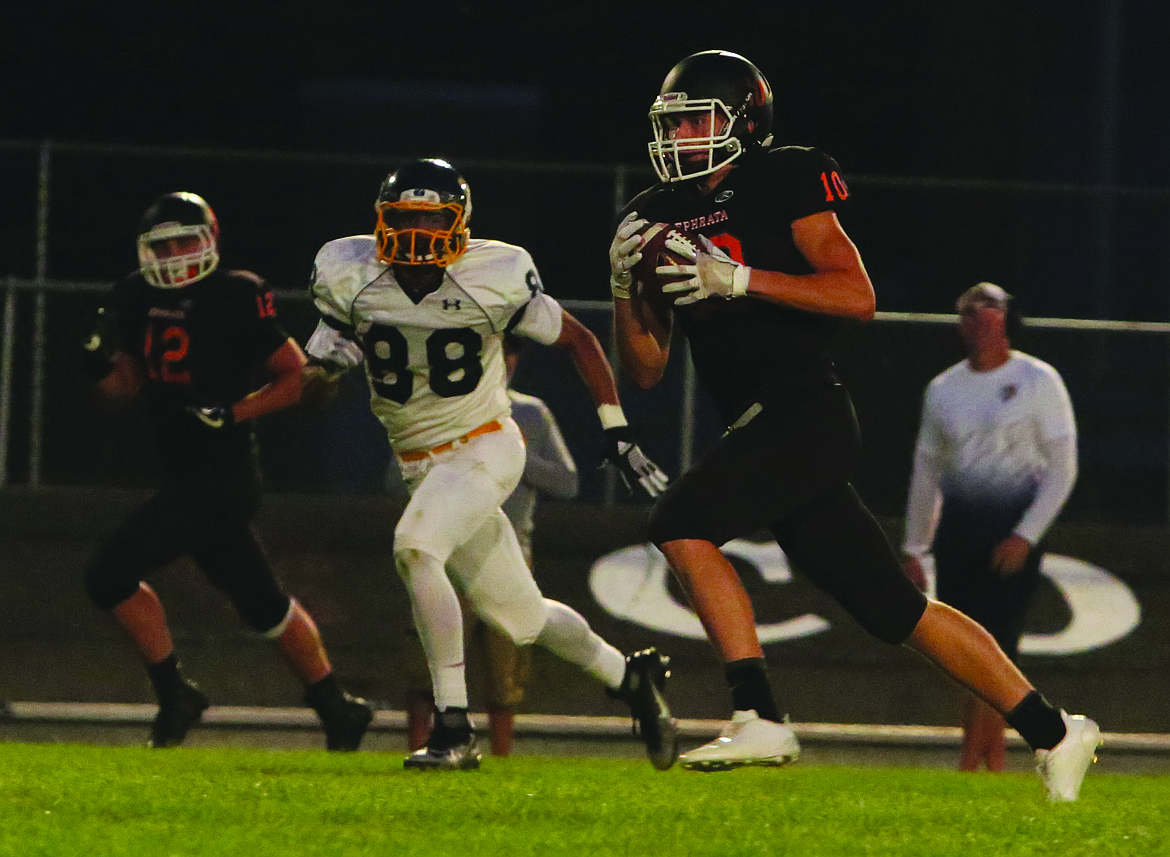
(1052, 93)
(1024, 143)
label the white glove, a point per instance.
(624, 253)
(712, 274)
(632, 464)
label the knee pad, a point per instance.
(406, 559)
(519, 619)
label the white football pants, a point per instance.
(452, 533)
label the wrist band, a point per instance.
(611, 416)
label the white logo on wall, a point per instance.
(631, 584)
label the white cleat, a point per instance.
(746, 740)
(1063, 768)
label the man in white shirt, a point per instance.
(995, 461)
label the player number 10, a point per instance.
(834, 186)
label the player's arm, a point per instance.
(284, 365)
(331, 353)
(643, 340)
(621, 450)
(589, 358)
(124, 380)
(642, 333)
(549, 466)
(838, 284)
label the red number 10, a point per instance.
(834, 186)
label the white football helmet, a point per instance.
(186, 217)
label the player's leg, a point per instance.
(452, 495)
(1064, 745)
(967, 535)
(507, 668)
(155, 534)
(984, 743)
(499, 585)
(746, 481)
(235, 564)
(837, 543)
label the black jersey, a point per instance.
(746, 349)
(199, 345)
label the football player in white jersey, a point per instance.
(995, 461)
(425, 308)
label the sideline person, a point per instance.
(994, 463)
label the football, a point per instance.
(662, 244)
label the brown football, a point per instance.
(662, 244)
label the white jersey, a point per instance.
(988, 429)
(1005, 438)
(436, 367)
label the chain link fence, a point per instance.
(1066, 251)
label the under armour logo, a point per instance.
(1008, 392)
(451, 303)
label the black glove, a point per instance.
(631, 463)
(216, 417)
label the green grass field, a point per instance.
(86, 800)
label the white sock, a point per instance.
(567, 635)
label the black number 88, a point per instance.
(451, 374)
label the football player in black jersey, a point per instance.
(189, 336)
(774, 278)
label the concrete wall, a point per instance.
(334, 554)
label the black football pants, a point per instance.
(787, 471)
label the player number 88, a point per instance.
(453, 356)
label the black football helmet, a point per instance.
(186, 217)
(728, 88)
(423, 208)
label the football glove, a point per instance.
(632, 464)
(624, 253)
(214, 417)
(328, 370)
(712, 274)
(95, 350)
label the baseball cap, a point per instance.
(983, 294)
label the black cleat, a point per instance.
(345, 721)
(450, 747)
(641, 689)
(176, 715)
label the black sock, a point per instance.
(165, 676)
(1037, 722)
(750, 690)
(322, 692)
(454, 720)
